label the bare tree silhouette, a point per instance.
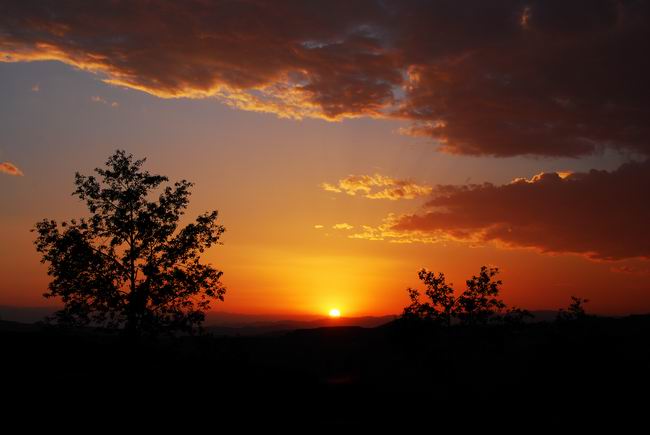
(128, 265)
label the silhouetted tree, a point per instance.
(440, 309)
(575, 311)
(479, 303)
(128, 265)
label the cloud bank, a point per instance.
(503, 78)
(599, 214)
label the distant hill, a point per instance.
(10, 326)
(25, 314)
(269, 327)
(218, 323)
(543, 315)
(223, 323)
(232, 324)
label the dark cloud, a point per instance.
(565, 80)
(500, 77)
(603, 215)
(293, 58)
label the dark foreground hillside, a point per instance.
(596, 370)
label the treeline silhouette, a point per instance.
(478, 305)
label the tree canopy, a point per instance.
(128, 264)
(479, 304)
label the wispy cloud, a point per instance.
(97, 99)
(631, 270)
(342, 226)
(386, 232)
(378, 187)
(10, 168)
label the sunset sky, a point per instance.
(347, 144)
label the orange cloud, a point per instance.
(10, 168)
(599, 214)
(393, 189)
(484, 78)
(386, 231)
(289, 59)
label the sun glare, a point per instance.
(335, 312)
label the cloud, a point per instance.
(295, 59)
(318, 227)
(96, 99)
(10, 168)
(389, 188)
(630, 270)
(599, 214)
(343, 226)
(504, 78)
(386, 231)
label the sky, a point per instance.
(346, 145)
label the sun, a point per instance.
(335, 312)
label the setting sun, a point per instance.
(335, 312)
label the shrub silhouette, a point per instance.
(477, 305)
(575, 310)
(128, 265)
